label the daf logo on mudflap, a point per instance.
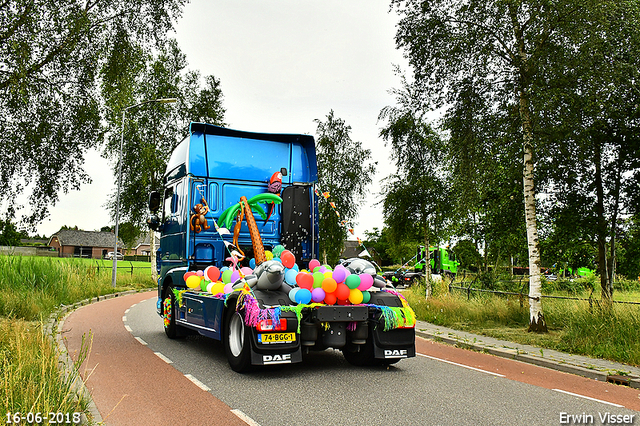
(395, 353)
(276, 359)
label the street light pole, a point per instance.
(115, 247)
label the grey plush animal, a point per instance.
(268, 275)
(356, 265)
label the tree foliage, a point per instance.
(527, 73)
(345, 170)
(153, 130)
(50, 57)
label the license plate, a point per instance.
(268, 338)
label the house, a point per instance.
(142, 246)
(76, 243)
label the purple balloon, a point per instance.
(234, 276)
(317, 295)
(339, 274)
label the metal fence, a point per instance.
(522, 282)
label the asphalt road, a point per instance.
(441, 386)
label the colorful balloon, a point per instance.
(226, 276)
(342, 291)
(288, 259)
(317, 295)
(366, 281)
(339, 274)
(212, 273)
(329, 285)
(217, 288)
(277, 251)
(188, 274)
(292, 295)
(330, 298)
(313, 264)
(268, 255)
(193, 281)
(304, 280)
(228, 288)
(352, 281)
(355, 296)
(234, 276)
(303, 296)
(366, 297)
(318, 277)
(290, 276)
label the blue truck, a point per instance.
(210, 171)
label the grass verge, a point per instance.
(31, 288)
(602, 332)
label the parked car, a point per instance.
(109, 256)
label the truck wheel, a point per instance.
(237, 344)
(169, 315)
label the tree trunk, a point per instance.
(602, 225)
(536, 318)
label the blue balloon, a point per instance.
(290, 276)
(303, 296)
(296, 267)
(224, 268)
(292, 295)
(252, 263)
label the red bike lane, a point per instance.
(130, 385)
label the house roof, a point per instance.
(72, 237)
(351, 249)
(144, 239)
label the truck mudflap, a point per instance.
(274, 358)
(398, 343)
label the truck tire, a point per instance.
(237, 344)
(170, 326)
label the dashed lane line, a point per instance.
(164, 358)
(461, 365)
(142, 342)
(589, 398)
(242, 416)
(198, 383)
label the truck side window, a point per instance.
(170, 203)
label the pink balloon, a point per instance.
(366, 281)
(246, 270)
(228, 288)
(313, 263)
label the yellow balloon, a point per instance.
(217, 288)
(328, 274)
(194, 281)
(355, 296)
(268, 255)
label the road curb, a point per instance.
(517, 355)
(53, 330)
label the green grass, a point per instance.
(603, 332)
(31, 288)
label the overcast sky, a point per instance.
(282, 64)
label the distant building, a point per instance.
(75, 243)
(142, 246)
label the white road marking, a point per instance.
(127, 311)
(124, 318)
(589, 398)
(198, 383)
(142, 342)
(461, 365)
(242, 416)
(128, 328)
(164, 358)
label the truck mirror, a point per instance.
(154, 201)
(283, 171)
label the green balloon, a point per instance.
(366, 297)
(318, 277)
(203, 284)
(277, 250)
(226, 276)
(353, 281)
